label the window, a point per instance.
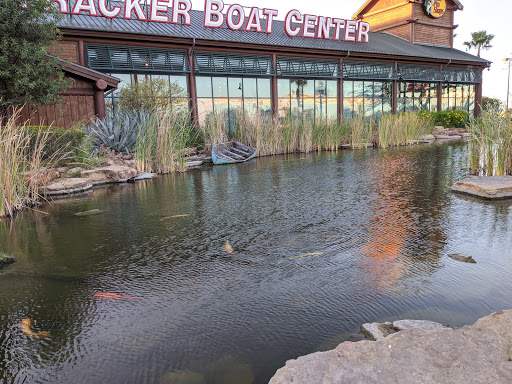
(371, 98)
(416, 96)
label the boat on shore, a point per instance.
(232, 152)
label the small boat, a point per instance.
(232, 152)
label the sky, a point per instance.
(476, 16)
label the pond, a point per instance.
(322, 243)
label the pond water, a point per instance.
(381, 224)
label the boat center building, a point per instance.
(391, 56)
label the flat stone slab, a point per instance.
(448, 137)
(67, 186)
(194, 164)
(110, 174)
(426, 325)
(480, 353)
(144, 176)
(488, 187)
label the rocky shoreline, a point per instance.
(479, 353)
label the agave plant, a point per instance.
(117, 131)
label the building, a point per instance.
(324, 66)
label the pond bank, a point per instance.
(479, 353)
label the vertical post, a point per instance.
(340, 93)
(99, 99)
(192, 101)
(394, 93)
(275, 102)
(508, 82)
(478, 97)
(81, 54)
(440, 92)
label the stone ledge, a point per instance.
(480, 353)
(110, 174)
(67, 186)
(487, 187)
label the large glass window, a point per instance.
(369, 98)
(317, 99)
(170, 90)
(230, 94)
(459, 97)
(416, 96)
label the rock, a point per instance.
(473, 354)
(207, 159)
(110, 174)
(144, 176)
(455, 131)
(439, 130)
(126, 157)
(447, 137)
(425, 325)
(194, 164)
(488, 187)
(427, 138)
(73, 172)
(6, 259)
(462, 257)
(44, 176)
(377, 331)
(67, 185)
(190, 151)
(182, 377)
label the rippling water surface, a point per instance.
(384, 220)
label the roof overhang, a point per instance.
(102, 81)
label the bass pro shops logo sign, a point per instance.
(434, 8)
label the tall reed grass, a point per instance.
(403, 129)
(490, 149)
(20, 164)
(301, 133)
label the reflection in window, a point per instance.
(459, 97)
(171, 90)
(231, 94)
(369, 98)
(416, 96)
(317, 99)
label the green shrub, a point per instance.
(60, 140)
(450, 119)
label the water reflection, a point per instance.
(380, 224)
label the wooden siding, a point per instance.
(403, 31)
(70, 110)
(432, 35)
(381, 20)
(383, 4)
(67, 50)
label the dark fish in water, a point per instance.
(89, 213)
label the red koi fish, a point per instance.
(26, 328)
(103, 295)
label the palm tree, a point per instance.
(479, 40)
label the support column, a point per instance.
(340, 93)
(273, 87)
(192, 101)
(478, 97)
(394, 93)
(439, 96)
(99, 99)
(81, 54)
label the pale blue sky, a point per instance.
(492, 16)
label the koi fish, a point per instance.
(229, 248)
(103, 295)
(173, 217)
(307, 255)
(26, 328)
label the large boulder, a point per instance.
(488, 187)
(66, 186)
(41, 177)
(110, 174)
(479, 353)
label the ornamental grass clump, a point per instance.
(490, 150)
(403, 129)
(21, 158)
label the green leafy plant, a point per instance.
(60, 140)
(150, 94)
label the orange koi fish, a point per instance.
(103, 295)
(229, 248)
(26, 328)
